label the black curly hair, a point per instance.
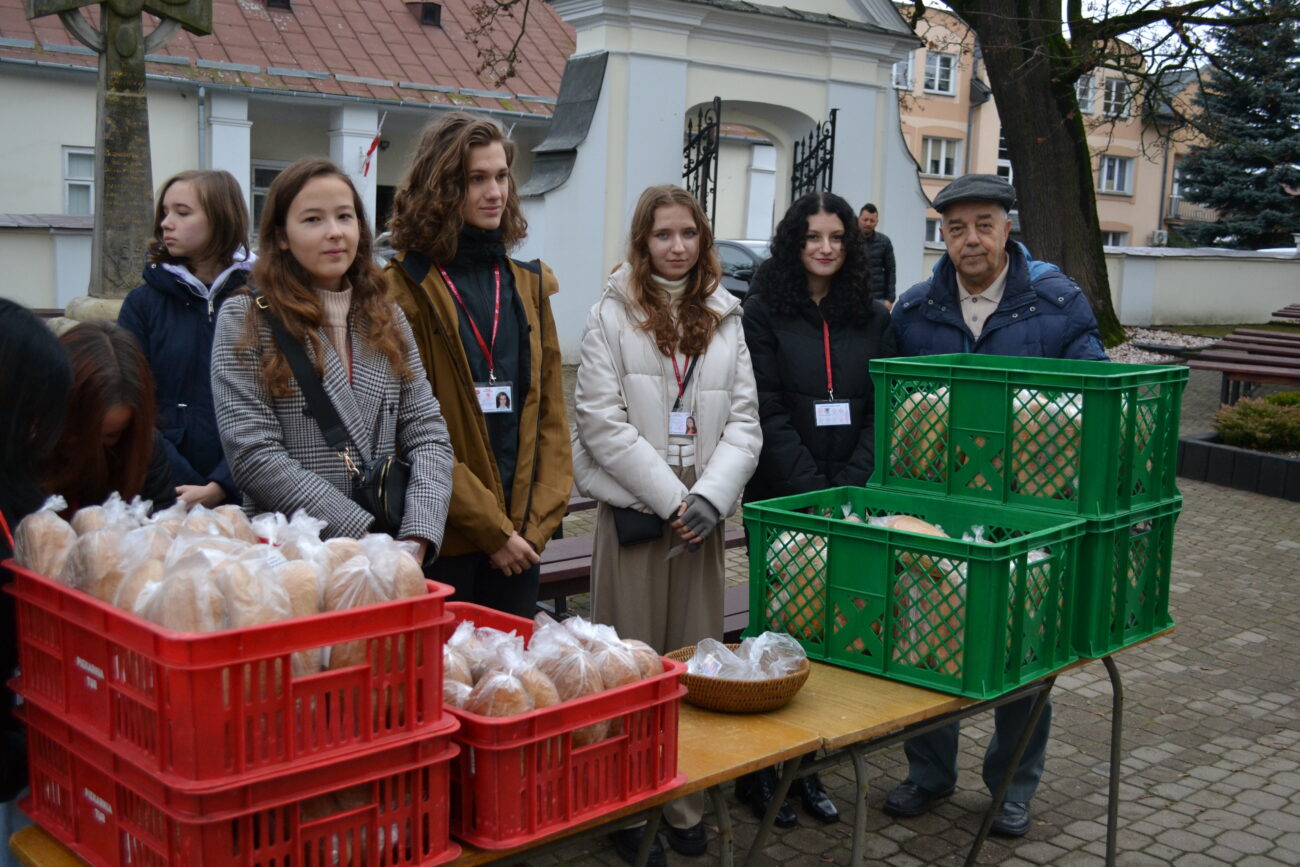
(782, 282)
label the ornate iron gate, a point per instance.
(814, 160)
(700, 156)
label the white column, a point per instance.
(352, 129)
(230, 139)
(761, 194)
(654, 118)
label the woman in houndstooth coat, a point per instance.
(315, 274)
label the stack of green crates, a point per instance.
(1095, 440)
(1068, 467)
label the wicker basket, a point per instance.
(739, 696)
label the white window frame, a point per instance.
(935, 61)
(1114, 239)
(1004, 160)
(1176, 182)
(1116, 98)
(1115, 175)
(1086, 91)
(905, 66)
(933, 230)
(70, 180)
(255, 192)
(949, 152)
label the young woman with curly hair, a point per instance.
(667, 431)
(314, 274)
(810, 303)
(484, 327)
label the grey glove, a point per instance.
(700, 517)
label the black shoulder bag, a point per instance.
(380, 485)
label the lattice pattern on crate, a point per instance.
(796, 591)
(1037, 620)
(857, 625)
(919, 445)
(1046, 443)
(1144, 414)
(1138, 563)
(929, 611)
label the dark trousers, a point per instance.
(476, 581)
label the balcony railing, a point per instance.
(1184, 211)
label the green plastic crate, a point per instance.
(1089, 438)
(1122, 594)
(968, 618)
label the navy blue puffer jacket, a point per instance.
(174, 325)
(1043, 314)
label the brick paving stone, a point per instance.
(1262, 861)
(1282, 821)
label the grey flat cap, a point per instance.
(976, 188)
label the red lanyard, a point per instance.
(681, 383)
(4, 525)
(496, 317)
(826, 342)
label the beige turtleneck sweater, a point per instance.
(334, 319)
(681, 449)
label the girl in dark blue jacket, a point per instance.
(197, 260)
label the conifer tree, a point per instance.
(1250, 110)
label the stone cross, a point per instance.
(123, 170)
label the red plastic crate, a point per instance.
(519, 778)
(386, 806)
(221, 708)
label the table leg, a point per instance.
(859, 758)
(789, 771)
(1116, 734)
(725, 832)
(651, 832)
(1039, 704)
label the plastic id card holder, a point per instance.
(831, 413)
(681, 424)
(495, 396)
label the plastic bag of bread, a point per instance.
(455, 667)
(302, 583)
(269, 527)
(551, 638)
(1046, 434)
(455, 693)
(43, 540)
(251, 585)
(646, 658)
(299, 539)
(188, 599)
(95, 560)
(464, 641)
(205, 522)
(215, 548)
(920, 427)
(712, 658)
(796, 568)
(142, 545)
(394, 563)
(235, 523)
(493, 651)
(352, 585)
(88, 519)
(510, 657)
(499, 694)
(617, 665)
(772, 654)
(575, 676)
(171, 518)
(138, 585)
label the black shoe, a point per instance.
(908, 800)
(756, 791)
(816, 803)
(628, 840)
(687, 841)
(1012, 820)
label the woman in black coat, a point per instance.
(812, 330)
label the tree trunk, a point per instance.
(1026, 55)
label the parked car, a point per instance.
(740, 259)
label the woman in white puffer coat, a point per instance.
(667, 425)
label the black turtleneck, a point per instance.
(471, 272)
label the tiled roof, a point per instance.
(375, 49)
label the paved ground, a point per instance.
(1212, 723)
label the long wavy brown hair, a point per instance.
(427, 205)
(695, 323)
(288, 290)
(223, 202)
(108, 370)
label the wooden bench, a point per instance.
(1249, 357)
(1240, 379)
(1291, 311)
(566, 567)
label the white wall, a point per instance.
(1166, 286)
(27, 257)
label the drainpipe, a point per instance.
(1164, 179)
(203, 128)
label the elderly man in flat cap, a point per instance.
(987, 295)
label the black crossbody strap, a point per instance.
(313, 391)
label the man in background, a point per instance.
(880, 255)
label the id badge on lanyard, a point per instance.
(493, 397)
(681, 421)
(832, 412)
